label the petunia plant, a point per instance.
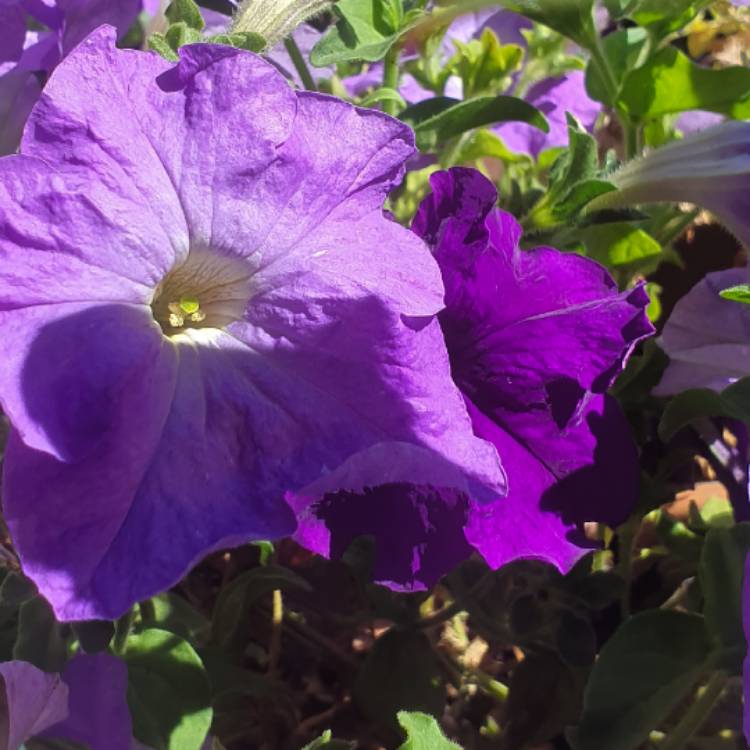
(374, 374)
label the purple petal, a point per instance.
(429, 541)
(33, 701)
(534, 359)
(707, 337)
(12, 31)
(554, 97)
(99, 718)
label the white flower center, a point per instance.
(207, 290)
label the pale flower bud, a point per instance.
(276, 19)
(710, 168)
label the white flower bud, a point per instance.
(276, 19)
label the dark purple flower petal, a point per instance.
(98, 718)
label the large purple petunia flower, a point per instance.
(203, 307)
(85, 705)
(535, 339)
(27, 57)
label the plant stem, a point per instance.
(626, 540)
(299, 63)
(391, 76)
(277, 620)
(697, 714)
(148, 612)
(122, 631)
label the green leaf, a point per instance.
(671, 82)
(247, 40)
(619, 244)
(236, 598)
(483, 143)
(173, 613)
(383, 94)
(16, 589)
(483, 64)
(179, 34)
(662, 17)
(186, 11)
(686, 407)
(168, 691)
(40, 640)
(571, 18)
(423, 732)
(94, 635)
(622, 49)
(401, 672)
(473, 113)
(158, 43)
(365, 32)
(721, 571)
(641, 675)
(739, 293)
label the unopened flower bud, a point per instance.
(276, 19)
(710, 169)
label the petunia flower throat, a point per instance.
(206, 290)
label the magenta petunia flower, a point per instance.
(203, 307)
(85, 705)
(28, 56)
(535, 339)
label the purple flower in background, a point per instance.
(85, 705)
(535, 339)
(710, 168)
(27, 57)
(707, 337)
(33, 701)
(203, 307)
(553, 97)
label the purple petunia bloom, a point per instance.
(27, 57)
(553, 97)
(535, 339)
(707, 337)
(203, 307)
(85, 705)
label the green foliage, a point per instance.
(571, 18)
(16, 589)
(695, 403)
(168, 691)
(41, 640)
(187, 12)
(242, 593)
(400, 672)
(670, 82)
(173, 613)
(437, 120)
(484, 64)
(619, 244)
(423, 732)
(721, 573)
(642, 673)
(367, 29)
